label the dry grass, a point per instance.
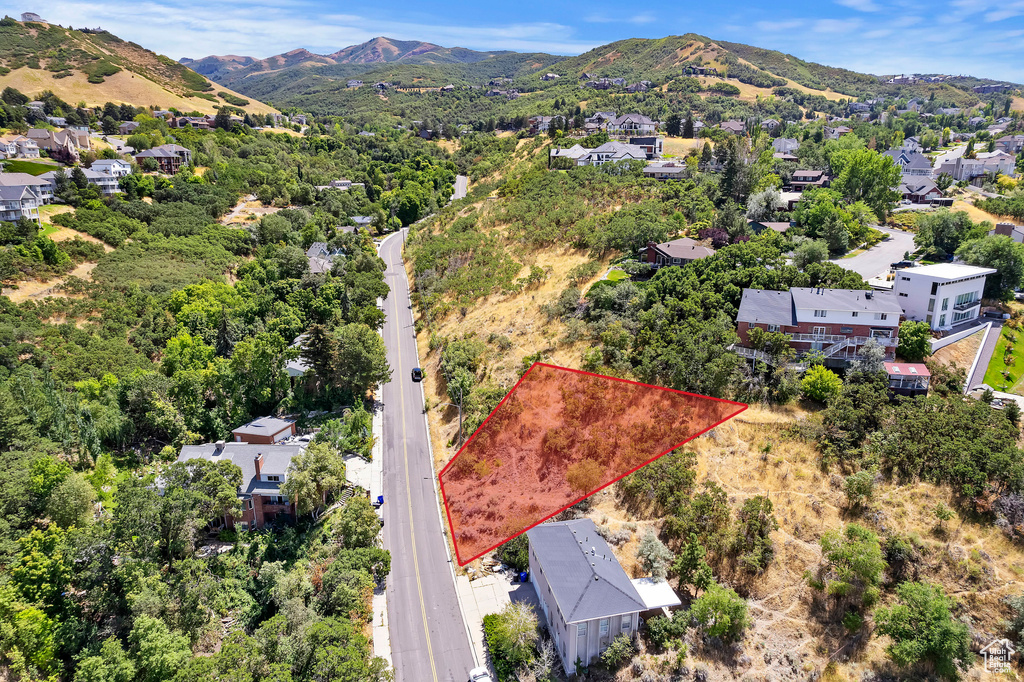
(977, 215)
(960, 353)
(681, 146)
(124, 87)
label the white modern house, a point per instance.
(943, 295)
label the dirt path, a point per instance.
(36, 290)
(66, 233)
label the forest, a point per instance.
(180, 335)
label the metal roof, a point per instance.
(585, 578)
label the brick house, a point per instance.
(264, 469)
(675, 252)
(836, 322)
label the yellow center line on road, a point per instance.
(408, 490)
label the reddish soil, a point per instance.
(559, 436)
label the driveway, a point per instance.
(949, 156)
(877, 259)
(461, 187)
(429, 641)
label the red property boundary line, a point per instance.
(444, 498)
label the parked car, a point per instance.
(899, 265)
(417, 374)
(480, 675)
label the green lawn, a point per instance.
(30, 167)
(994, 374)
(49, 229)
(617, 275)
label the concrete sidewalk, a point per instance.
(487, 595)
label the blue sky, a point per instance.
(977, 37)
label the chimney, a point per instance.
(218, 449)
(258, 461)
(1005, 229)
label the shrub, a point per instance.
(859, 487)
(618, 652)
(821, 384)
(515, 553)
(922, 629)
(720, 612)
(654, 556)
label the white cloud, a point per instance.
(776, 26)
(645, 18)
(859, 5)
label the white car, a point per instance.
(479, 675)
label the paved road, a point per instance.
(429, 641)
(877, 259)
(461, 187)
(949, 156)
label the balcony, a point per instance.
(960, 307)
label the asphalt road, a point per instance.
(461, 187)
(877, 259)
(429, 641)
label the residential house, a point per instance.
(585, 596)
(734, 127)
(786, 157)
(61, 144)
(653, 145)
(631, 124)
(910, 162)
(976, 121)
(585, 76)
(1009, 230)
(697, 127)
(770, 124)
(786, 145)
(668, 170)
(676, 252)
(908, 379)
(116, 167)
(611, 152)
(575, 153)
(8, 148)
(642, 86)
(264, 469)
(1011, 144)
(949, 111)
(809, 179)
(943, 295)
(913, 144)
(859, 107)
(539, 124)
(918, 189)
(366, 133)
(447, 88)
(127, 128)
(691, 70)
(297, 367)
(354, 83)
(987, 89)
(265, 430)
(300, 119)
(836, 132)
(549, 77)
(32, 16)
(983, 162)
(21, 195)
(914, 105)
(36, 107)
(362, 222)
(169, 157)
(340, 183)
(836, 322)
(106, 183)
(600, 118)
(321, 257)
(197, 122)
(19, 147)
(58, 121)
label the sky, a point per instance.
(982, 38)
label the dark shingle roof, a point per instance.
(264, 426)
(585, 578)
(276, 459)
(686, 249)
(767, 307)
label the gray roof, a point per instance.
(585, 578)
(917, 184)
(163, 151)
(844, 299)
(317, 249)
(20, 180)
(779, 307)
(264, 426)
(276, 459)
(767, 307)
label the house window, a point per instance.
(935, 288)
(243, 525)
(773, 327)
(604, 627)
(928, 319)
(821, 313)
(931, 305)
(945, 303)
(675, 261)
(853, 314)
(273, 478)
(627, 624)
(905, 279)
(903, 295)
(250, 504)
(881, 316)
(942, 321)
